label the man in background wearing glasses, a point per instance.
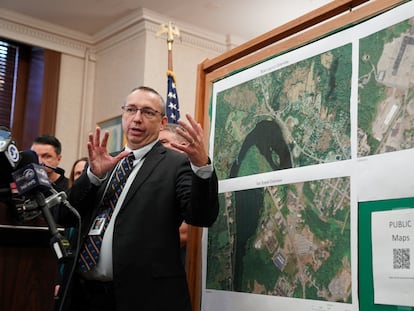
(139, 266)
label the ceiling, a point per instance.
(243, 19)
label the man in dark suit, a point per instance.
(167, 136)
(139, 267)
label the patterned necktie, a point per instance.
(89, 253)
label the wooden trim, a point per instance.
(193, 263)
(48, 110)
(308, 28)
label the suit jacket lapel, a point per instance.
(154, 156)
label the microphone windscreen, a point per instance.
(30, 177)
(27, 157)
(5, 138)
(9, 156)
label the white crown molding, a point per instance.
(191, 34)
(143, 20)
(31, 31)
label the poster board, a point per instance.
(353, 171)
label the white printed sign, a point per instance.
(392, 247)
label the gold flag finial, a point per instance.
(171, 31)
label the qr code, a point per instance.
(401, 258)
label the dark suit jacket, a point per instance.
(148, 273)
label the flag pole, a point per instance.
(172, 109)
(170, 30)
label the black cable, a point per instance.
(78, 238)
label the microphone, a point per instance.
(9, 156)
(57, 169)
(32, 181)
(31, 176)
(8, 191)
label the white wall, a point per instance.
(118, 69)
(75, 108)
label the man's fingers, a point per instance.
(192, 129)
(105, 139)
(97, 136)
(95, 140)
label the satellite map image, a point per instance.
(386, 90)
(293, 117)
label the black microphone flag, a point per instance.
(30, 177)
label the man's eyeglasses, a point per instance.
(146, 112)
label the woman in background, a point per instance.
(77, 169)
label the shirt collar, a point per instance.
(139, 153)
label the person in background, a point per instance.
(134, 261)
(49, 151)
(77, 169)
(167, 136)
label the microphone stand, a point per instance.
(57, 169)
(60, 244)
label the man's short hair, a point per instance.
(172, 127)
(151, 90)
(47, 139)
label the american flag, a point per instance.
(173, 110)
